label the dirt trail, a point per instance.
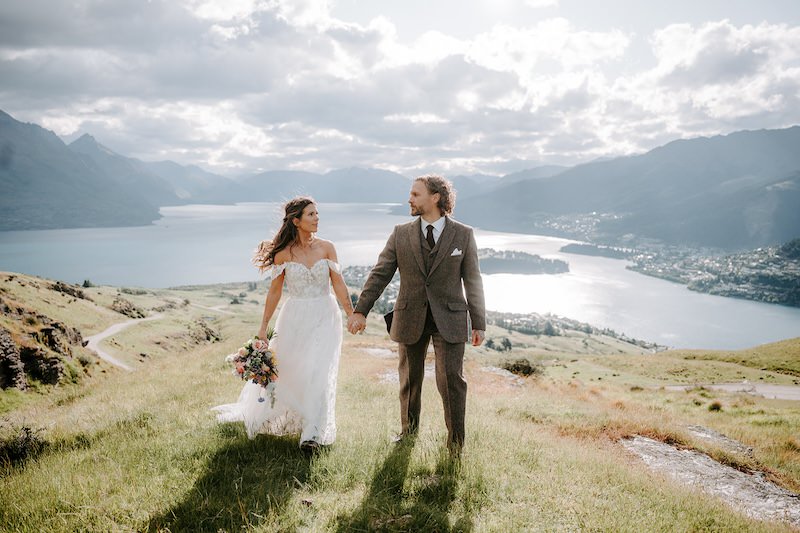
(217, 309)
(95, 340)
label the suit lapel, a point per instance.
(415, 243)
(445, 240)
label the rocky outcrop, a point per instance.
(72, 290)
(125, 307)
(200, 332)
(12, 370)
(41, 365)
(36, 349)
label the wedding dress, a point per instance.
(307, 345)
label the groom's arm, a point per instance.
(380, 276)
(473, 285)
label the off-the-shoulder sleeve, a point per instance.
(334, 266)
(275, 270)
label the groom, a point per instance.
(441, 293)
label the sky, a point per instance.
(452, 86)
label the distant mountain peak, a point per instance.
(87, 143)
(85, 140)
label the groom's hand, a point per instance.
(477, 337)
(356, 323)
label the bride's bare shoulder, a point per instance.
(326, 244)
(329, 249)
(282, 256)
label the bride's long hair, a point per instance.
(286, 235)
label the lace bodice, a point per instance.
(303, 282)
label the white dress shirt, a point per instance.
(438, 226)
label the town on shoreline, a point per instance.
(769, 274)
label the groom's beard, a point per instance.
(415, 211)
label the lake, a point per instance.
(202, 244)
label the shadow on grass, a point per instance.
(244, 482)
(423, 506)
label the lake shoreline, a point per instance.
(212, 244)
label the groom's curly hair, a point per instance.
(447, 194)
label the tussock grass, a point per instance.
(87, 316)
(140, 451)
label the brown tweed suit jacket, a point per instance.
(452, 288)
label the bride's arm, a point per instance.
(339, 287)
(273, 297)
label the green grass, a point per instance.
(670, 368)
(85, 315)
(141, 451)
(782, 357)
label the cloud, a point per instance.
(251, 85)
(537, 4)
(720, 77)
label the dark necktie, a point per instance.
(429, 236)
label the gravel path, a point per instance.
(218, 309)
(95, 340)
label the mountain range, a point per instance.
(735, 191)
(44, 184)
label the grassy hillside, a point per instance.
(782, 357)
(141, 451)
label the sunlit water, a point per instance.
(209, 244)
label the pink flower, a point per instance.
(260, 345)
(242, 351)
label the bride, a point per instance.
(308, 333)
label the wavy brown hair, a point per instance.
(286, 235)
(447, 194)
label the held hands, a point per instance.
(263, 336)
(477, 337)
(356, 323)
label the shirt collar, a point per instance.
(438, 226)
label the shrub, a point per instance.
(21, 446)
(134, 292)
(85, 359)
(523, 367)
(715, 406)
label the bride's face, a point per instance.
(309, 220)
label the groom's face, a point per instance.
(420, 200)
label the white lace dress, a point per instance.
(307, 345)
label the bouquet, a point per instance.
(255, 362)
